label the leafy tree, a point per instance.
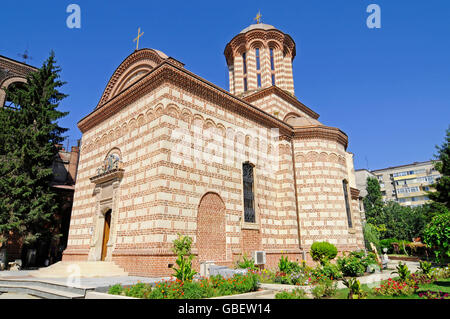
(402, 222)
(371, 235)
(442, 185)
(437, 236)
(28, 136)
(373, 201)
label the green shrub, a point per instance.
(371, 235)
(323, 251)
(286, 266)
(166, 290)
(402, 271)
(367, 259)
(351, 266)
(437, 236)
(294, 294)
(139, 290)
(354, 289)
(327, 270)
(425, 268)
(246, 263)
(116, 289)
(325, 288)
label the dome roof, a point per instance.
(262, 26)
(302, 121)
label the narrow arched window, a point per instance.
(347, 203)
(249, 197)
(272, 64)
(244, 61)
(258, 64)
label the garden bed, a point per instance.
(214, 286)
(404, 258)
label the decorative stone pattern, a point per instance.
(173, 184)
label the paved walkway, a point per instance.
(11, 295)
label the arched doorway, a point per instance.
(211, 237)
(106, 229)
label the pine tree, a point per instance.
(373, 201)
(442, 185)
(29, 134)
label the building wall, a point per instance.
(321, 166)
(160, 194)
(410, 187)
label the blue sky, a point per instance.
(388, 88)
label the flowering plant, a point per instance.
(394, 288)
(434, 295)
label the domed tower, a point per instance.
(258, 57)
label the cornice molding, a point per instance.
(321, 131)
(286, 43)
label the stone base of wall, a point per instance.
(160, 265)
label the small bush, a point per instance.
(286, 266)
(324, 289)
(295, 294)
(425, 268)
(116, 289)
(354, 289)
(246, 263)
(139, 290)
(402, 271)
(351, 266)
(326, 271)
(323, 251)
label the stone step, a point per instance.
(39, 291)
(61, 286)
(82, 269)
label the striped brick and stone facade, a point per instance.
(178, 144)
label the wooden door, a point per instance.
(106, 234)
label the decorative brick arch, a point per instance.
(5, 84)
(211, 239)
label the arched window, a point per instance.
(258, 64)
(244, 61)
(347, 203)
(272, 63)
(249, 197)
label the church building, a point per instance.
(247, 171)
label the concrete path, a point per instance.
(11, 295)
